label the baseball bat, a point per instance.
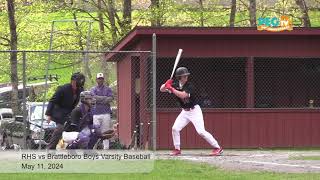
(176, 62)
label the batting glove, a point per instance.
(169, 87)
(169, 82)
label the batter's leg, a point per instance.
(178, 125)
(196, 118)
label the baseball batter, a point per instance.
(191, 112)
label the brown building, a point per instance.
(258, 85)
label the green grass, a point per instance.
(316, 158)
(170, 169)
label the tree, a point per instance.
(201, 13)
(233, 12)
(13, 55)
(100, 16)
(83, 47)
(252, 13)
(127, 11)
(4, 37)
(108, 17)
(155, 6)
(304, 9)
(111, 16)
(296, 9)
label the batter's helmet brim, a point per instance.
(185, 74)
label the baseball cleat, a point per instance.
(217, 152)
(175, 152)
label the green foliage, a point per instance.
(51, 90)
(315, 18)
(289, 8)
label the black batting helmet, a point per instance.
(182, 71)
(79, 78)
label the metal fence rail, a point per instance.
(41, 72)
(135, 78)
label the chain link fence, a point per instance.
(258, 82)
(220, 83)
(287, 82)
(40, 73)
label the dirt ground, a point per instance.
(253, 160)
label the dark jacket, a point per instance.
(62, 103)
(81, 117)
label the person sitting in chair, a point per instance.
(82, 121)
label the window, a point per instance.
(7, 115)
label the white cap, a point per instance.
(100, 75)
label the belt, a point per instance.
(188, 109)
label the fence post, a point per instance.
(86, 68)
(250, 83)
(154, 91)
(46, 80)
(25, 121)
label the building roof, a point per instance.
(140, 31)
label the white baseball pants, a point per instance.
(104, 122)
(196, 118)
